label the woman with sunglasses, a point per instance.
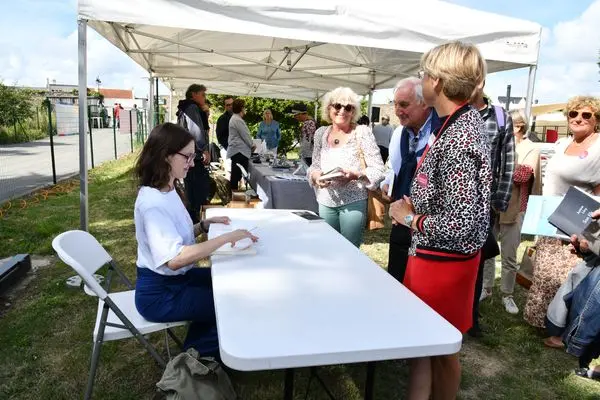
(576, 162)
(351, 150)
(170, 286)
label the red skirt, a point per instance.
(445, 284)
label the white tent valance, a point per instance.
(251, 47)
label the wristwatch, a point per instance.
(408, 220)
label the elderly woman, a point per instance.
(527, 180)
(240, 144)
(350, 148)
(268, 130)
(576, 162)
(449, 209)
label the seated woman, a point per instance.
(352, 149)
(169, 285)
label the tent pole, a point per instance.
(370, 104)
(171, 104)
(530, 89)
(150, 115)
(83, 167)
(316, 106)
(157, 110)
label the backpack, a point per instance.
(190, 377)
(500, 117)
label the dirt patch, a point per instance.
(478, 359)
(13, 293)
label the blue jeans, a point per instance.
(187, 297)
(349, 219)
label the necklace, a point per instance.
(336, 141)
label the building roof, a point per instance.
(116, 93)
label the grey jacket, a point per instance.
(239, 140)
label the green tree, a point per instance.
(15, 105)
(255, 106)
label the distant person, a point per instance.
(223, 123)
(240, 145)
(190, 117)
(268, 130)
(364, 120)
(117, 114)
(383, 134)
(307, 132)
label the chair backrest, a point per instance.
(244, 172)
(82, 252)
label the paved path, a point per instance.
(27, 166)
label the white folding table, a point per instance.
(308, 297)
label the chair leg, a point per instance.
(93, 367)
(175, 339)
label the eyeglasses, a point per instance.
(584, 115)
(188, 157)
(347, 107)
(401, 104)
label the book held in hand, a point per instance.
(337, 172)
(308, 216)
(574, 213)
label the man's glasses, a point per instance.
(584, 115)
(347, 107)
(188, 157)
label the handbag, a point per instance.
(375, 203)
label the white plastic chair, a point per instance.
(117, 317)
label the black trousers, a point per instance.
(197, 189)
(385, 152)
(489, 250)
(400, 240)
(236, 173)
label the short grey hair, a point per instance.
(341, 95)
(519, 115)
(415, 83)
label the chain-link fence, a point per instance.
(32, 164)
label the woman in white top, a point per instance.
(352, 148)
(169, 285)
(576, 162)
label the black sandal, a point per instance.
(588, 373)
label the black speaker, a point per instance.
(375, 114)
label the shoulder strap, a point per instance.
(500, 117)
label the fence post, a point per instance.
(114, 120)
(51, 134)
(131, 131)
(89, 113)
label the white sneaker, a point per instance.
(509, 305)
(485, 293)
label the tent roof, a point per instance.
(296, 48)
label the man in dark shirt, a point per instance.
(223, 123)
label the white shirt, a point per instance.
(383, 134)
(162, 227)
(394, 159)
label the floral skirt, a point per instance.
(553, 261)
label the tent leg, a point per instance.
(150, 114)
(530, 90)
(370, 105)
(317, 107)
(83, 167)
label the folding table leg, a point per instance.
(370, 381)
(288, 390)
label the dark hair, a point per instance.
(227, 98)
(238, 106)
(151, 167)
(364, 120)
(194, 88)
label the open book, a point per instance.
(541, 210)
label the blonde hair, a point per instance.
(519, 116)
(579, 102)
(267, 110)
(341, 95)
(459, 66)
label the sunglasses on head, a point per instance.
(584, 115)
(347, 107)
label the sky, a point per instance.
(38, 41)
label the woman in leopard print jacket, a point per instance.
(448, 209)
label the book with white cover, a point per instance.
(241, 247)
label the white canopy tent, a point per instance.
(297, 49)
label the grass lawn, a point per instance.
(45, 334)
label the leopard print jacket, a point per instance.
(452, 188)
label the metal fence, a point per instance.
(26, 167)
